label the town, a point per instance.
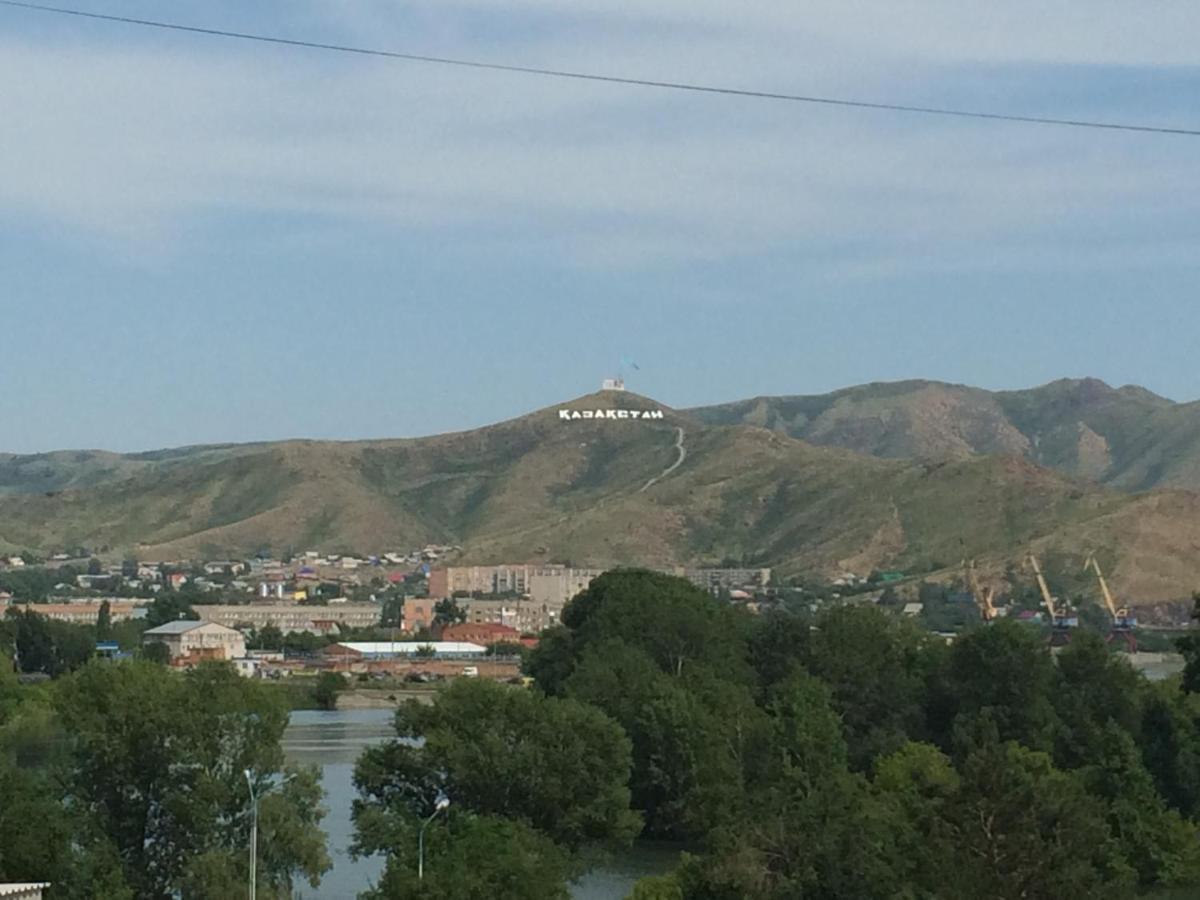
(400, 615)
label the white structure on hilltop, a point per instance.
(612, 384)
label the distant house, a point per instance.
(192, 641)
(913, 609)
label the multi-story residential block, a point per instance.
(723, 579)
(84, 612)
(467, 580)
(292, 617)
(520, 613)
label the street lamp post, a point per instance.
(253, 834)
(254, 796)
(441, 805)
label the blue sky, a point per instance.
(206, 240)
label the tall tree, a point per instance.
(468, 857)
(104, 621)
(557, 765)
(1004, 671)
(158, 763)
(872, 664)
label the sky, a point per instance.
(205, 240)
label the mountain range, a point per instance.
(913, 476)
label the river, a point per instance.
(333, 741)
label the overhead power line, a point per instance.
(608, 79)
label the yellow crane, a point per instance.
(1061, 619)
(983, 600)
(1123, 623)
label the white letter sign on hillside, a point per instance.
(572, 414)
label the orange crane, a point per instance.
(1062, 621)
(983, 600)
(1123, 623)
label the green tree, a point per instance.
(327, 688)
(104, 621)
(917, 787)
(1189, 647)
(447, 612)
(50, 647)
(169, 606)
(1005, 671)
(469, 857)
(156, 652)
(1096, 688)
(676, 623)
(873, 666)
(695, 740)
(1024, 829)
(269, 637)
(777, 643)
(1170, 745)
(156, 767)
(557, 765)
(1161, 845)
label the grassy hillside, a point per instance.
(1125, 437)
(540, 488)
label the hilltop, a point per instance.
(541, 487)
(1128, 437)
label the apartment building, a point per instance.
(83, 612)
(291, 617)
(723, 579)
(467, 580)
(520, 613)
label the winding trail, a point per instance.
(673, 466)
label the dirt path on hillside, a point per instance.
(673, 466)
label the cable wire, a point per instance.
(608, 79)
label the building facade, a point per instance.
(521, 613)
(83, 613)
(291, 617)
(191, 641)
(484, 634)
(468, 580)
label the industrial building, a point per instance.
(368, 650)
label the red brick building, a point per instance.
(484, 633)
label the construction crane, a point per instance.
(1123, 623)
(982, 599)
(1062, 621)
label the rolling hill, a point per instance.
(541, 487)
(1128, 438)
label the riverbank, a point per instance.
(382, 698)
(298, 694)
